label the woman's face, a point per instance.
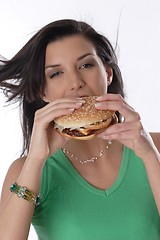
(73, 69)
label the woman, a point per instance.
(115, 197)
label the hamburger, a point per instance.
(85, 122)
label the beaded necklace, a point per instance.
(90, 160)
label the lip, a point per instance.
(83, 96)
(80, 96)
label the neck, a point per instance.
(89, 149)
(85, 146)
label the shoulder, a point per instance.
(11, 176)
(16, 167)
(156, 139)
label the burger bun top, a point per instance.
(86, 115)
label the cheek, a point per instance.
(103, 84)
(53, 91)
(102, 80)
(98, 85)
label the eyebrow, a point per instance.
(79, 58)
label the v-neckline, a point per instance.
(87, 185)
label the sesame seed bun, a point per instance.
(85, 122)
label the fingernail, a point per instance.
(99, 98)
(81, 100)
(79, 103)
(98, 104)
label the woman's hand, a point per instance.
(130, 132)
(45, 139)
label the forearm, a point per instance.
(152, 165)
(16, 213)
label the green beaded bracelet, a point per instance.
(23, 192)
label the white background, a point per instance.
(138, 52)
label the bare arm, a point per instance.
(132, 134)
(156, 139)
(152, 165)
(15, 213)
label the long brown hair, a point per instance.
(23, 77)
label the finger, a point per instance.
(60, 102)
(58, 106)
(67, 100)
(122, 127)
(63, 106)
(126, 111)
(127, 135)
(55, 109)
(110, 97)
(49, 117)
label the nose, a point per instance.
(75, 81)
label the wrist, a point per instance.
(30, 175)
(24, 193)
(151, 156)
(35, 162)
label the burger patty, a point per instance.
(77, 133)
(80, 133)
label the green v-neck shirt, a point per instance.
(73, 209)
